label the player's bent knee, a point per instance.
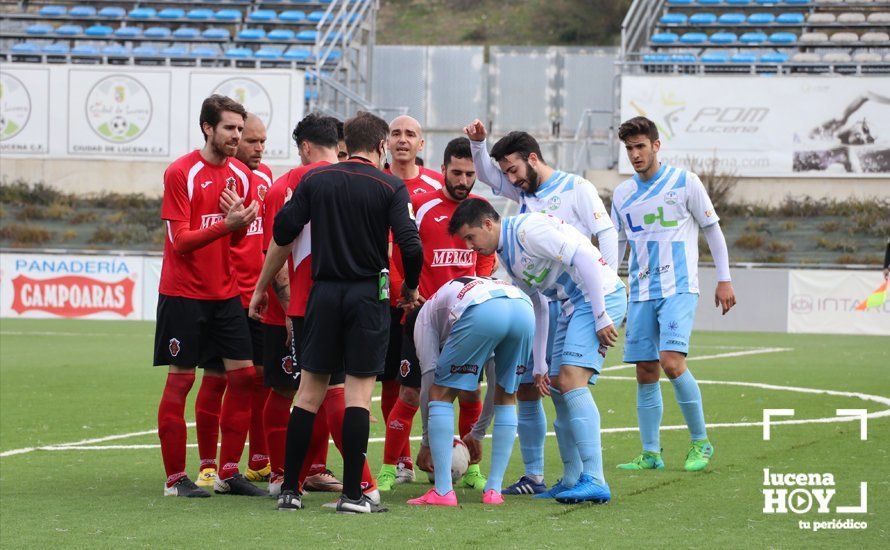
(410, 396)
(527, 392)
(673, 363)
(285, 392)
(648, 372)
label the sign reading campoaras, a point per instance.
(113, 113)
(271, 95)
(766, 126)
(24, 111)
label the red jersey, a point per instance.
(192, 187)
(445, 257)
(247, 255)
(299, 262)
(427, 181)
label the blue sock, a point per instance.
(585, 423)
(689, 398)
(532, 430)
(441, 436)
(502, 437)
(568, 450)
(649, 412)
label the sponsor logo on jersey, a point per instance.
(72, 295)
(650, 219)
(256, 228)
(174, 347)
(644, 274)
(464, 369)
(531, 277)
(209, 219)
(440, 218)
(452, 257)
(404, 367)
(206, 183)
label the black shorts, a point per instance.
(346, 329)
(281, 362)
(190, 331)
(394, 347)
(256, 341)
(401, 355)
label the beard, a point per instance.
(531, 175)
(458, 192)
(222, 147)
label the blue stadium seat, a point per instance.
(143, 13)
(683, 58)
(239, 53)
(335, 55)
(732, 18)
(227, 15)
(738, 2)
(702, 19)
(767, 2)
(145, 51)
(56, 49)
(297, 54)
(306, 36)
(251, 34)
(709, 2)
(127, 32)
(753, 38)
(199, 14)
(797, 2)
(204, 51)
(262, 16)
(25, 47)
(673, 19)
(656, 58)
(98, 30)
(679, 2)
(783, 38)
(82, 11)
(69, 30)
(186, 33)
(761, 19)
(315, 17)
(216, 34)
(268, 53)
(39, 29)
(280, 34)
(774, 57)
(171, 13)
(52, 11)
(311, 94)
(790, 18)
(84, 49)
(693, 38)
(743, 57)
(115, 50)
(174, 51)
(723, 38)
(292, 16)
(714, 57)
(112, 12)
(157, 32)
(664, 38)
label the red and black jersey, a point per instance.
(247, 254)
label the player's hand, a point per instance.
(725, 296)
(257, 305)
(240, 216)
(608, 336)
(227, 200)
(476, 130)
(542, 382)
(410, 299)
(887, 273)
(475, 448)
(425, 459)
(289, 325)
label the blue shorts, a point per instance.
(502, 326)
(576, 342)
(554, 311)
(658, 325)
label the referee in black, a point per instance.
(352, 206)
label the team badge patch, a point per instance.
(261, 191)
(287, 365)
(230, 183)
(404, 368)
(520, 370)
(174, 347)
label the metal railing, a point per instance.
(637, 24)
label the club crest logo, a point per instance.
(261, 191)
(671, 198)
(251, 94)
(174, 347)
(118, 109)
(520, 370)
(230, 183)
(15, 106)
(404, 368)
(287, 365)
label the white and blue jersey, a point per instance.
(661, 218)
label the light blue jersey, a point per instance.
(661, 218)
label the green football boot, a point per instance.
(473, 478)
(386, 479)
(699, 455)
(646, 461)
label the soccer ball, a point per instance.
(460, 461)
(119, 126)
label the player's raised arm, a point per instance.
(487, 170)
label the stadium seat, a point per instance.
(127, 32)
(335, 55)
(268, 53)
(84, 49)
(709, 2)
(693, 38)
(821, 18)
(751, 38)
(664, 38)
(174, 51)
(797, 2)
(673, 19)
(315, 17)
(879, 17)
(112, 12)
(262, 16)
(204, 51)
(714, 57)
(311, 94)
(52, 11)
(142, 13)
(280, 35)
(292, 16)
(837, 57)
(783, 38)
(761, 18)
(69, 30)
(738, 2)
(723, 38)
(790, 18)
(856, 17)
(25, 48)
(867, 57)
(115, 50)
(157, 32)
(199, 14)
(186, 33)
(239, 53)
(806, 57)
(98, 31)
(731, 19)
(306, 36)
(679, 2)
(216, 34)
(227, 15)
(774, 58)
(874, 36)
(145, 51)
(82, 11)
(743, 57)
(251, 34)
(171, 13)
(56, 49)
(844, 38)
(811, 37)
(702, 19)
(767, 2)
(683, 58)
(297, 54)
(39, 29)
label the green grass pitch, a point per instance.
(63, 382)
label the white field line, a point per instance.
(756, 351)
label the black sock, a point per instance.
(299, 434)
(356, 427)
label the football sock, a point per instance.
(568, 449)
(335, 406)
(585, 424)
(259, 454)
(171, 424)
(398, 432)
(441, 436)
(356, 426)
(502, 436)
(207, 407)
(649, 411)
(689, 398)
(275, 415)
(388, 395)
(234, 420)
(532, 430)
(469, 414)
(317, 455)
(299, 433)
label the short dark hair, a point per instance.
(472, 212)
(317, 129)
(638, 126)
(364, 132)
(339, 124)
(458, 148)
(516, 142)
(213, 108)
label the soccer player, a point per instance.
(659, 211)
(518, 172)
(247, 260)
(445, 257)
(469, 319)
(548, 258)
(199, 312)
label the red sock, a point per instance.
(335, 406)
(388, 395)
(469, 414)
(234, 420)
(317, 455)
(207, 407)
(398, 432)
(171, 424)
(276, 414)
(259, 454)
